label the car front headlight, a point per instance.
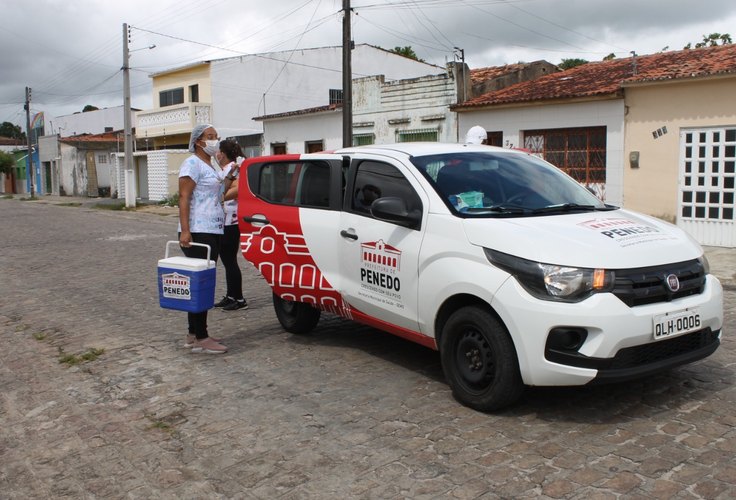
(551, 281)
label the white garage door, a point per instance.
(706, 199)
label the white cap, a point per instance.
(476, 135)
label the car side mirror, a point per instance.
(394, 209)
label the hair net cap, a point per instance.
(476, 135)
(197, 131)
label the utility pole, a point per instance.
(28, 137)
(347, 78)
(128, 145)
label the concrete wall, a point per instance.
(513, 121)
(408, 104)
(72, 172)
(653, 187)
(91, 122)
(295, 131)
(380, 108)
(161, 169)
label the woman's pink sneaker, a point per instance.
(208, 346)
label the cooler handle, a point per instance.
(170, 242)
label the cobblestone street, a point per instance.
(344, 412)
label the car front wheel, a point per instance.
(295, 317)
(479, 360)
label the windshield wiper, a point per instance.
(499, 209)
(569, 207)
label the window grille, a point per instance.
(417, 135)
(335, 96)
(363, 139)
(579, 152)
(709, 177)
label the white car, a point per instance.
(516, 273)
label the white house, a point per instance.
(384, 111)
(90, 122)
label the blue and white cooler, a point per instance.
(186, 283)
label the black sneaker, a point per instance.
(226, 301)
(235, 305)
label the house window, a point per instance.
(101, 158)
(278, 148)
(171, 97)
(363, 139)
(417, 135)
(314, 146)
(495, 139)
(579, 152)
(335, 96)
(194, 93)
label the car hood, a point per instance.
(614, 240)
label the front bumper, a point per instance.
(620, 344)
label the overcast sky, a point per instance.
(70, 51)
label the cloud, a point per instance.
(70, 53)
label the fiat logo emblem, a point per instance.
(673, 282)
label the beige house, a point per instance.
(681, 146)
(654, 133)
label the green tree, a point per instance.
(712, 40)
(609, 57)
(12, 131)
(7, 162)
(406, 52)
(89, 107)
(571, 63)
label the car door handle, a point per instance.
(347, 234)
(256, 220)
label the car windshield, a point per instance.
(504, 184)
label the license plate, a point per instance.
(675, 323)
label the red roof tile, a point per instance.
(607, 78)
(480, 75)
(8, 141)
(299, 112)
(104, 137)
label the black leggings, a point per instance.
(229, 246)
(198, 321)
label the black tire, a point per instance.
(295, 317)
(479, 360)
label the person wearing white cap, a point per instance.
(476, 135)
(201, 220)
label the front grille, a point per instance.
(654, 352)
(637, 361)
(647, 285)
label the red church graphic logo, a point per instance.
(286, 264)
(379, 254)
(176, 286)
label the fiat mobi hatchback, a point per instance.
(516, 273)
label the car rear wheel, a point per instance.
(295, 317)
(479, 360)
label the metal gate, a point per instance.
(705, 204)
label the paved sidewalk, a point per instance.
(100, 400)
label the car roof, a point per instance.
(423, 148)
